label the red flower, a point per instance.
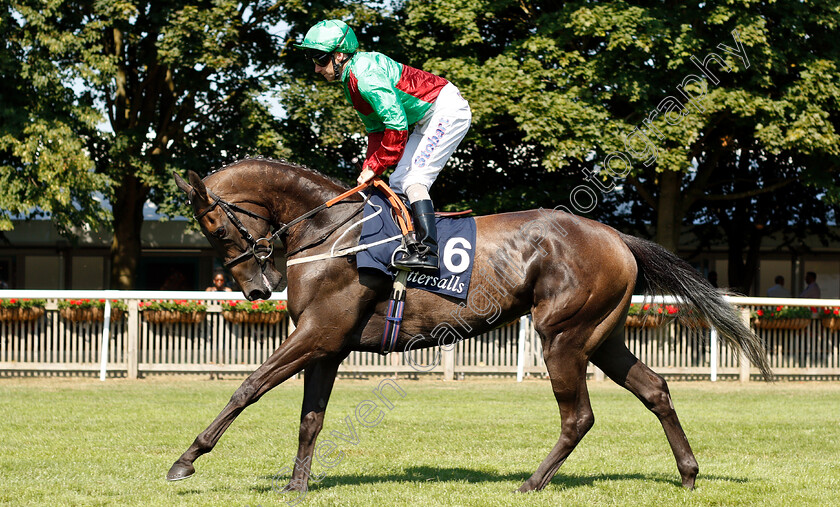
(837, 311)
(232, 303)
(760, 313)
(646, 307)
(671, 309)
(101, 300)
(778, 308)
(13, 301)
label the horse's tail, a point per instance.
(661, 272)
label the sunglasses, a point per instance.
(319, 57)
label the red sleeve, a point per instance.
(374, 141)
(384, 149)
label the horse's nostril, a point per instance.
(258, 294)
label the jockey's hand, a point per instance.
(365, 176)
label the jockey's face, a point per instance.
(328, 70)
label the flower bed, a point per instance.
(173, 312)
(21, 309)
(653, 315)
(649, 315)
(830, 318)
(782, 317)
(90, 310)
(253, 312)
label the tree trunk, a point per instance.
(669, 212)
(128, 221)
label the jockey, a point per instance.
(389, 98)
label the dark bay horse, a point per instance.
(575, 276)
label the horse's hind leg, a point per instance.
(567, 368)
(625, 369)
(318, 382)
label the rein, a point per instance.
(262, 248)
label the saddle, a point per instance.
(453, 214)
(451, 280)
(400, 211)
(402, 218)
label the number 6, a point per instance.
(452, 249)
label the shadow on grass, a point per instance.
(433, 474)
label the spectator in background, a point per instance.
(778, 290)
(219, 284)
(812, 290)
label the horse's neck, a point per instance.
(297, 191)
(304, 190)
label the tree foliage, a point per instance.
(556, 89)
(44, 164)
(598, 106)
(179, 84)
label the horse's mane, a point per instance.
(284, 164)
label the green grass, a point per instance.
(85, 442)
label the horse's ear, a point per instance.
(197, 185)
(183, 185)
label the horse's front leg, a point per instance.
(302, 347)
(318, 381)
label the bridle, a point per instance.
(261, 249)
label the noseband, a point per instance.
(261, 253)
(262, 248)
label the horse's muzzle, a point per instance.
(256, 294)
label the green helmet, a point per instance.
(330, 35)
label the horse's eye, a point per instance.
(219, 233)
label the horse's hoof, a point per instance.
(280, 486)
(688, 483)
(180, 471)
(526, 487)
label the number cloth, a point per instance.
(456, 237)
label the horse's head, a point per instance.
(240, 231)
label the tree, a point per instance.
(180, 85)
(44, 167)
(557, 91)
(738, 206)
(775, 104)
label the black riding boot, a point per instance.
(423, 253)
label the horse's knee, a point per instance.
(310, 426)
(576, 425)
(243, 396)
(585, 422)
(657, 397)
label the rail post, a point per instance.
(743, 361)
(448, 362)
(133, 340)
(713, 360)
(524, 323)
(106, 337)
